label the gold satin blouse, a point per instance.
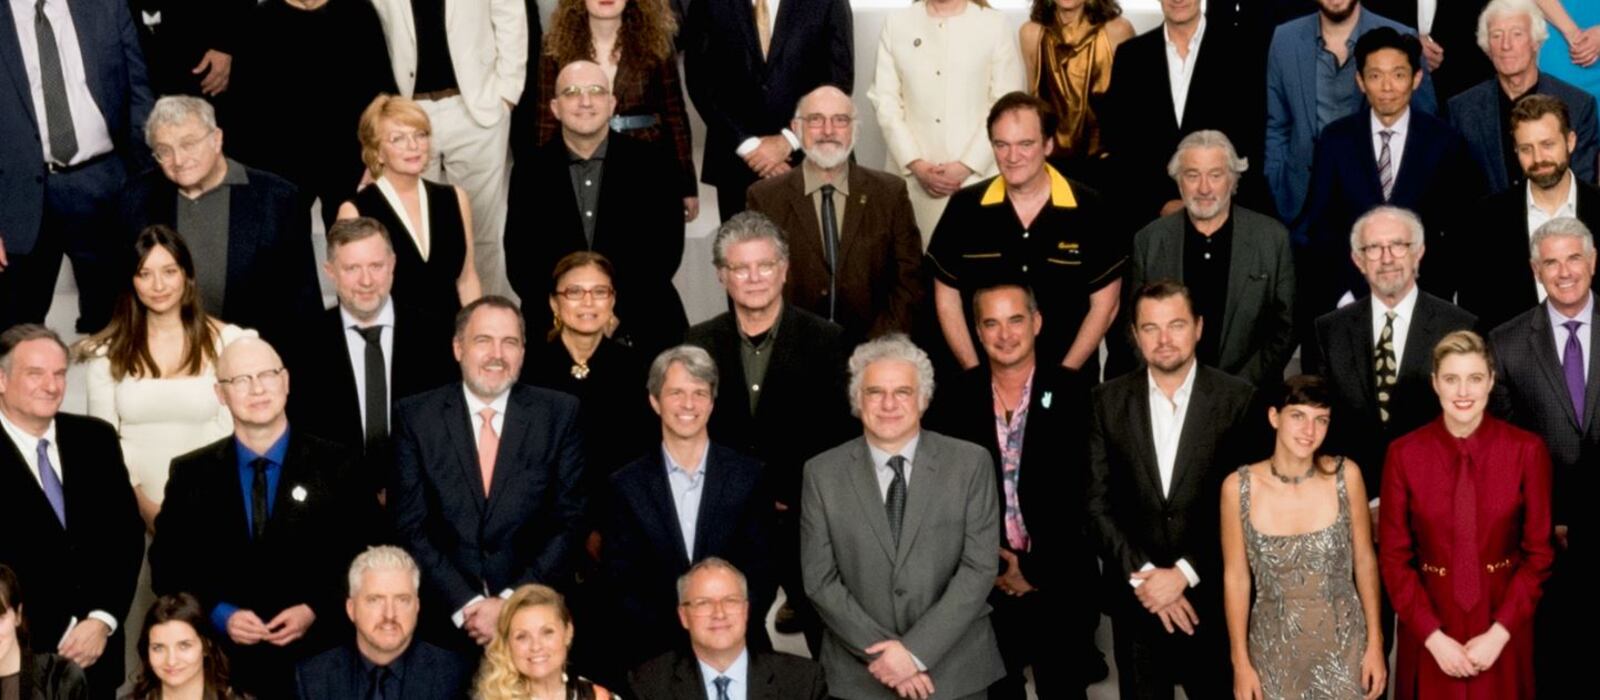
(1073, 75)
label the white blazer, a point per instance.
(488, 45)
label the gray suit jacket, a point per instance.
(931, 592)
(1476, 114)
(1258, 327)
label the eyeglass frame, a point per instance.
(593, 90)
(706, 607)
(765, 269)
(267, 378)
(599, 292)
(185, 147)
(1373, 252)
(815, 120)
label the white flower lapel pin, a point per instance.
(1045, 400)
(298, 494)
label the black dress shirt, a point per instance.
(586, 174)
(392, 681)
(1205, 273)
(435, 70)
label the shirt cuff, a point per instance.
(794, 141)
(103, 616)
(460, 616)
(922, 667)
(746, 146)
(1372, 504)
(1189, 573)
(1138, 582)
(220, 615)
(1348, 298)
(505, 594)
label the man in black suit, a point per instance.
(192, 43)
(1544, 144)
(76, 550)
(1547, 382)
(782, 397)
(384, 660)
(1160, 443)
(590, 188)
(747, 64)
(374, 351)
(248, 233)
(689, 500)
(1043, 407)
(259, 525)
(714, 605)
(1388, 154)
(485, 491)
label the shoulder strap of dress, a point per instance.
(1244, 494)
(1344, 493)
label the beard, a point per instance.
(1202, 210)
(1337, 15)
(829, 155)
(1548, 180)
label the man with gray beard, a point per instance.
(855, 248)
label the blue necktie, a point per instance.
(722, 686)
(51, 483)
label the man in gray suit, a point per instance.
(897, 538)
(1235, 262)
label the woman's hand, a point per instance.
(1585, 47)
(1450, 655)
(1374, 670)
(1484, 649)
(1246, 684)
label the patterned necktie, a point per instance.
(1465, 567)
(1572, 366)
(895, 503)
(258, 499)
(377, 418)
(488, 447)
(763, 26)
(1386, 165)
(57, 113)
(1385, 369)
(722, 686)
(51, 484)
(830, 246)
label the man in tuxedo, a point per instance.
(1544, 148)
(782, 395)
(191, 44)
(388, 353)
(857, 256)
(1186, 75)
(250, 238)
(689, 500)
(1033, 419)
(747, 64)
(70, 127)
(76, 550)
(1310, 85)
(898, 538)
(1160, 443)
(1547, 382)
(260, 524)
(590, 188)
(1390, 153)
(485, 491)
(1235, 262)
(714, 606)
(384, 660)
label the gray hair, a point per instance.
(894, 346)
(22, 333)
(1208, 138)
(1539, 29)
(1404, 216)
(1561, 227)
(177, 110)
(695, 360)
(708, 564)
(743, 227)
(383, 558)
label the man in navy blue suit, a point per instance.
(69, 132)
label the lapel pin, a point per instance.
(1045, 400)
(863, 200)
(916, 42)
(298, 494)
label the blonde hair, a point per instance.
(1462, 343)
(498, 677)
(394, 107)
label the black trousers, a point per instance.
(730, 193)
(1041, 630)
(1150, 662)
(80, 223)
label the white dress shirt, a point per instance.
(1402, 323)
(1538, 217)
(880, 465)
(1397, 140)
(738, 672)
(750, 144)
(356, 344)
(1585, 317)
(474, 407)
(687, 490)
(1426, 11)
(1166, 428)
(28, 445)
(1180, 69)
(88, 124)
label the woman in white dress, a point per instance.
(941, 64)
(151, 375)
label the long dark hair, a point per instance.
(11, 600)
(1307, 390)
(645, 37)
(127, 338)
(1096, 11)
(181, 607)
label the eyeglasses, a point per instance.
(267, 378)
(748, 272)
(576, 293)
(409, 139)
(572, 92)
(816, 120)
(1375, 251)
(702, 607)
(187, 147)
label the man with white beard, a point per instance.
(855, 250)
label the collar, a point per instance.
(475, 406)
(1402, 309)
(235, 175)
(274, 454)
(1399, 127)
(739, 671)
(599, 153)
(1585, 315)
(880, 458)
(385, 316)
(673, 466)
(812, 176)
(396, 667)
(27, 443)
(1194, 41)
(1184, 390)
(1061, 195)
(772, 333)
(1221, 234)
(1571, 202)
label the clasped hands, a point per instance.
(1161, 592)
(939, 179)
(246, 628)
(895, 668)
(480, 619)
(771, 157)
(85, 642)
(1459, 660)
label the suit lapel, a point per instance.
(808, 233)
(86, 24)
(1308, 73)
(783, 359)
(690, 685)
(343, 376)
(864, 478)
(855, 210)
(1591, 390)
(564, 201)
(709, 521)
(459, 425)
(1543, 344)
(514, 432)
(11, 56)
(780, 29)
(1199, 80)
(659, 493)
(292, 475)
(1415, 167)
(919, 498)
(1361, 349)
(1241, 261)
(27, 482)
(744, 12)
(227, 462)
(1144, 436)
(1193, 419)
(241, 245)
(1417, 355)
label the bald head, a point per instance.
(246, 351)
(583, 103)
(825, 120)
(253, 384)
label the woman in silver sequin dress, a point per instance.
(1297, 528)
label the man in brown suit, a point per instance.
(862, 271)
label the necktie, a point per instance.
(380, 675)
(377, 418)
(1465, 567)
(722, 686)
(51, 483)
(57, 114)
(258, 499)
(830, 245)
(1385, 165)
(1385, 369)
(895, 503)
(1572, 366)
(763, 26)
(488, 447)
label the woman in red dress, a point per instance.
(1464, 541)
